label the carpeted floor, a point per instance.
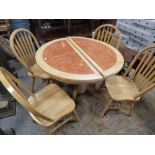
(114, 122)
(88, 108)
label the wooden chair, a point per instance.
(24, 46)
(108, 33)
(50, 107)
(137, 80)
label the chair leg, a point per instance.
(52, 128)
(46, 130)
(131, 109)
(45, 82)
(74, 95)
(76, 115)
(33, 83)
(48, 82)
(107, 106)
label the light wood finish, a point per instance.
(121, 88)
(107, 72)
(99, 73)
(49, 107)
(108, 33)
(136, 80)
(64, 76)
(24, 46)
(82, 80)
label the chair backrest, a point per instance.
(14, 86)
(108, 33)
(142, 69)
(24, 45)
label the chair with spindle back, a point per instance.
(50, 107)
(138, 79)
(24, 46)
(109, 34)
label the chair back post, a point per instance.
(108, 33)
(24, 45)
(13, 85)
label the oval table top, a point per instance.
(79, 60)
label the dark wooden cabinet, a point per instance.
(49, 29)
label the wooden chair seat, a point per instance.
(121, 88)
(38, 72)
(52, 102)
(138, 79)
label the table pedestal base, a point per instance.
(79, 89)
(99, 84)
(82, 88)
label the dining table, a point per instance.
(79, 60)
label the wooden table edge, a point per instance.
(67, 77)
(105, 73)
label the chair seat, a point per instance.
(121, 88)
(38, 72)
(53, 102)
